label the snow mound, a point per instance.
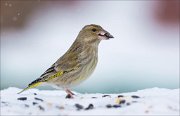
(44, 102)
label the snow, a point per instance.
(153, 101)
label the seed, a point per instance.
(26, 105)
(22, 98)
(35, 93)
(94, 97)
(38, 99)
(135, 96)
(120, 96)
(34, 103)
(146, 111)
(122, 101)
(116, 106)
(108, 105)
(128, 104)
(41, 108)
(78, 106)
(91, 106)
(134, 101)
(3, 102)
(106, 95)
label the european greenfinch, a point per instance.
(78, 63)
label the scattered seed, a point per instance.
(35, 93)
(41, 108)
(34, 103)
(106, 96)
(26, 105)
(3, 102)
(78, 106)
(128, 104)
(38, 99)
(94, 97)
(120, 96)
(135, 96)
(122, 101)
(134, 101)
(109, 106)
(116, 106)
(91, 106)
(146, 111)
(22, 98)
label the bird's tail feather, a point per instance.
(33, 85)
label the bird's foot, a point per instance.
(69, 94)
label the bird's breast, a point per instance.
(87, 61)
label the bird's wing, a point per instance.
(48, 74)
(67, 63)
(56, 70)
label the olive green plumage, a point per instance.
(78, 63)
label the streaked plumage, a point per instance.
(78, 63)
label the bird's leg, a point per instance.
(69, 93)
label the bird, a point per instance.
(77, 64)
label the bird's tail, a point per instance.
(32, 85)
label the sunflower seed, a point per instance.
(135, 96)
(22, 98)
(106, 96)
(26, 105)
(116, 106)
(34, 103)
(38, 99)
(41, 108)
(91, 106)
(78, 106)
(109, 106)
(94, 97)
(120, 96)
(122, 101)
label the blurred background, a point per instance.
(143, 54)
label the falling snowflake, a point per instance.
(6, 4)
(10, 5)
(14, 18)
(18, 13)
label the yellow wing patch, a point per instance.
(31, 86)
(55, 75)
(40, 82)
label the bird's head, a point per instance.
(93, 34)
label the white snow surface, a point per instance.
(153, 101)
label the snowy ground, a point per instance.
(42, 102)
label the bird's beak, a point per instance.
(108, 35)
(104, 35)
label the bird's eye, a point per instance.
(93, 29)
